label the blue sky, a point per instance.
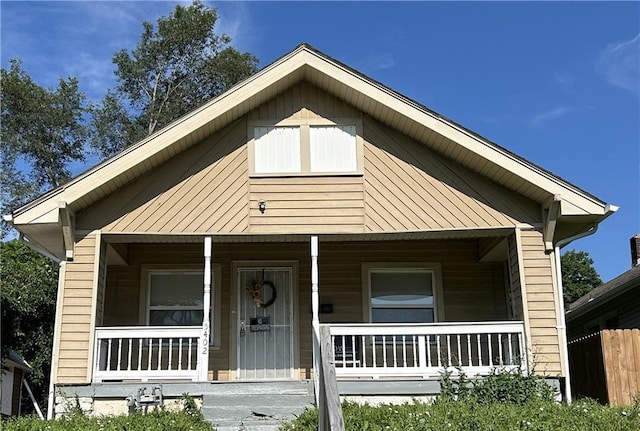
(557, 83)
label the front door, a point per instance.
(265, 323)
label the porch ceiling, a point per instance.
(255, 238)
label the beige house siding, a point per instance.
(401, 185)
(303, 101)
(408, 187)
(540, 303)
(200, 190)
(76, 316)
(472, 291)
(307, 204)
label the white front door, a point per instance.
(265, 324)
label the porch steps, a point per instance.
(255, 406)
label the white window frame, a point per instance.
(216, 295)
(305, 145)
(399, 267)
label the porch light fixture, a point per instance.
(262, 205)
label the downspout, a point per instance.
(562, 328)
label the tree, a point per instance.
(175, 67)
(27, 300)
(42, 133)
(578, 275)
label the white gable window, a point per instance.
(333, 148)
(277, 150)
(305, 147)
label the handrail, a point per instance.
(333, 419)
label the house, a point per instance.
(14, 371)
(306, 195)
(613, 305)
(604, 338)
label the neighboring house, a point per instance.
(613, 305)
(14, 371)
(307, 194)
(604, 338)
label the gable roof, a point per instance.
(602, 294)
(576, 208)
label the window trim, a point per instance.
(305, 125)
(433, 267)
(216, 294)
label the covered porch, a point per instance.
(468, 315)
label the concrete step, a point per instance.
(255, 406)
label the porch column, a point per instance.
(203, 360)
(315, 321)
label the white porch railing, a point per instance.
(426, 350)
(147, 352)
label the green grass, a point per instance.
(470, 415)
(156, 421)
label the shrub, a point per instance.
(502, 386)
(189, 419)
(469, 415)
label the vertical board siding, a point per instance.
(201, 189)
(605, 366)
(472, 291)
(303, 101)
(542, 316)
(307, 205)
(621, 350)
(76, 316)
(408, 187)
(586, 362)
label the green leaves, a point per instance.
(28, 301)
(176, 66)
(578, 275)
(41, 128)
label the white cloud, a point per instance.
(234, 20)
(565, 81)
(619, 64)
(558, 112)
(553, 114)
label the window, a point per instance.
(175, 298)
(403, 295)
(277, 149)
(333, 148)
(305, 149)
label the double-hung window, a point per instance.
(402, 295)
(175, 298)
(305, 149)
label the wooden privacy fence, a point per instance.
(606, 366)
